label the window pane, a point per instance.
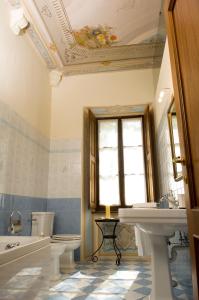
(108, 133)
(177, 150)
(135, 190)
(132, 132)
(133, 160)
(109, 191)
(108, 162)
(133, 153)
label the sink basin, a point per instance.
(159, 224)
(154, 220)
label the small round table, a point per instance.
(112, 236)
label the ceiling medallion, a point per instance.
(95, 37)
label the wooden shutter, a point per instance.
(93, 166)
(149, 153)
(89, 159)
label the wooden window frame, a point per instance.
(120, 160)
(91, 159)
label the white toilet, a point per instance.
(62, 245)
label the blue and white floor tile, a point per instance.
(90, 281)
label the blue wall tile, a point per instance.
(67, 217)
(25, 205)
(67, 213)
(2, 222)
(60, 204)
(22, 203)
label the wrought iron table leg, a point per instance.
(94, 257)
(117, 252)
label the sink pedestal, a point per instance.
(161, 283)
(158, 224)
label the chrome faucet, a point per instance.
(168, 201)
(15, 222)
(11, 245)
(164, 202)
(174, 203)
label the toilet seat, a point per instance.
(66, 237)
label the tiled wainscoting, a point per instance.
(67, 213)
(64, 178)
(25, 205)
(37, 174)
(23, 156)
(67, 217)
(64, 186)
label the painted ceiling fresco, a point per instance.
(130, 21)
(77, 36)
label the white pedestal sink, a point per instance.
(158, 224)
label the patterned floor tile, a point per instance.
(71, 285)
(6, 294)
(144, 275)
(59, 296)
(26, 282)
(182, 292)
(134, 286)
(104, 297)
(124, 274)
(143, 282)
(143, 290)
(98, 274)
(81, 275)
(91, 281)
(133, 295)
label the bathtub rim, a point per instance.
(18, 252)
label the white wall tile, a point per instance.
(24, 155)
(65, 169)
(32, 165)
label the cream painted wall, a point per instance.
(164, 82)
(102, 89)
(24, 83)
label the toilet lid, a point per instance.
(66, 237)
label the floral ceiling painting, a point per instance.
(77, 36)
(95, 37)
(131, 21)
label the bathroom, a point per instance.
(42, 162)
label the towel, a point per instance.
(145, 205)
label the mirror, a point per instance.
(174, 141)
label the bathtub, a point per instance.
(27, 245)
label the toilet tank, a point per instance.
(42, 223)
